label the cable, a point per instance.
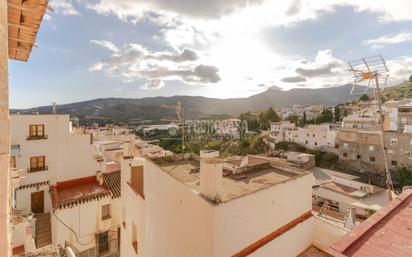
(74, 232)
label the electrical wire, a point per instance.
(74, 232)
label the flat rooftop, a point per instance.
(187, 171)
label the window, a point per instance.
(103, 239)
(394, 163)
(36, 132)
(313, 135)
(37, 163)
(345, 154)
(306, 142)
(371, 148)
(136, 180)
(134, 237)
(106, 212)
(394, 141)
(13, 162)
(372, 159)
(358, 156)
(408, 154)
(316, 143)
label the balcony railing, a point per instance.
(37, 137)
(37, 169)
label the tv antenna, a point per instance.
(372, 72)
(178, 118)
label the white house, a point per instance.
(58, 182)
(283, 131)
(183, 206)
(316, 136)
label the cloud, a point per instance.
(64, 7)
(106, 44)
(400, 69)
(136, 9)
(388, 40)
(324, 65)
(153, 84)
(134, 62)
(293, 79)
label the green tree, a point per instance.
(304, 119)
(404, 177)
(266, 116)
(410, 78)
(293, 119)
(364, 97)
(337, 113)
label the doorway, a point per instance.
(37, 202)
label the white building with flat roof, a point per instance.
(316, 136)
(188, 206)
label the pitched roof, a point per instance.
(112, 182)
(24, 18)
(387, 233)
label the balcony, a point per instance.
(37, 137)
(37, 169)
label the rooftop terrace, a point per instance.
(263, 175)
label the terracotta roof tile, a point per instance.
(387, 233)
(112, 182)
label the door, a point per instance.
(37, 202)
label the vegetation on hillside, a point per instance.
(323, 159)
(403, 177)
(325, 117)
(261, 121)
(402, 91)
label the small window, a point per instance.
(106, 212)
(358, 156)
(37, 163)
(307, 135)
(394, 141)
(372, 159)
(316, 143)
(345, 154)
(13, 163)
(394, 163)
(313, 135)
(306, 142)
(134, 238)
(408, 154)
(103, 242)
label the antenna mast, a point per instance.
(180, 120)
(367, 72)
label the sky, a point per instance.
(233, 48)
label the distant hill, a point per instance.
(197, 106)
(401, 91)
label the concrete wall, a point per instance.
(86, 220)
(315, 136)
(238, 223)
(68, 155)
(4, 134)
(171, 220)
(23, 198)
(326, 233)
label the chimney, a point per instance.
(54, 108)
(211, 175)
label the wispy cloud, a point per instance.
(388, 40)
(106, 44)
(64, 7)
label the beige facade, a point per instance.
(170, 213)
(4, 134)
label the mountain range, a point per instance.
(118, 109)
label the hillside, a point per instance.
(403, 90)
(197, 106)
